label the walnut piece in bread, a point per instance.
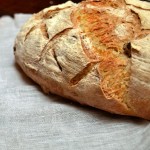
(96, 53)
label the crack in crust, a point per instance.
(28, 33)
(55, 57)
(79, 76)
(43, 28)
(65, 31)
(138, 7)
(45, 49)
(52, 13)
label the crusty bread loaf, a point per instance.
(95, 52)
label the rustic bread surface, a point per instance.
(96, 53)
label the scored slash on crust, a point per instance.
(49, 43)
(82, 74)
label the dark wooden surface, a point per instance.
(9, 7)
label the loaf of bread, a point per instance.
(96, 52)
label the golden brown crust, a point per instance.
(58, 54)
(139, 90)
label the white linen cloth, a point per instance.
(31, 120)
